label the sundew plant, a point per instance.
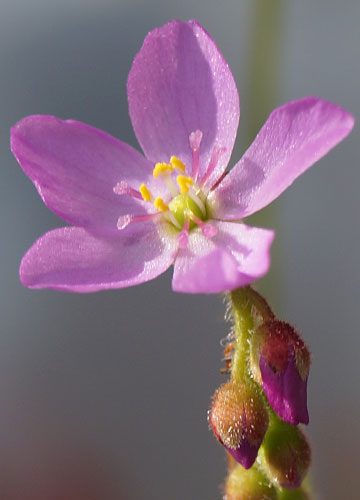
(131, 215)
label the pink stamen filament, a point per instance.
(214, 160)
(207, 229)
(124, 188)
(125, 220)
(195, 140)
(183, 236)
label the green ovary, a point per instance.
(182, 207)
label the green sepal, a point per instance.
(249, 484)
(285, 454)
(299, 494)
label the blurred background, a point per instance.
(104, 396)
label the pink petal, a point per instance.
(236, 256)
(72, 259)
(75, 168)
(293, 138)
(180, 83)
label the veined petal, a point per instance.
(180, 83)
(293, 138)
(234, 257)
(75, 168)
(72, 259)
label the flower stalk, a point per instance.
(248, 307)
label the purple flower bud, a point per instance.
(239, 419)
(280, 363)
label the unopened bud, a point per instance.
(248, 485)
(239, 419)
(285, 455)
(280, 363)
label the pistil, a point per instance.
(183, 236)
(214, 160)
(125, 220)
(207, 229)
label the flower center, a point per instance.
(185, 208)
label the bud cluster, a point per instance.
(255, 414)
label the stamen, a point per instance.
(171, 185)
(177, 164)
(124, 188)
(207, 229)
(215, 156)
(193, 195)
(195, 140)
(184, 183)
(162, 169)
(183, 236)
(160, 205)
(125, 220)
(170, 216)
(165, 170)
(145, 193)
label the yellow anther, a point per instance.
(162, 169)
(145, 193)
(184, 183)
(177, 164)
(160, 205)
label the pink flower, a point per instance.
(134, 216)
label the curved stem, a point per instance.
(248, 308)
(243, 326)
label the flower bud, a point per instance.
(280, 363)
(239, 419)
(285, 455)
(248, 485)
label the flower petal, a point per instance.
(245, 454)
(75, 168)
(286, 392)
(293, 138)
(73, 259)
(235, 257)
(180, 83)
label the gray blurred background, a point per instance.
(104, 396)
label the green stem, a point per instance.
(243, 325)
(247, 305)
